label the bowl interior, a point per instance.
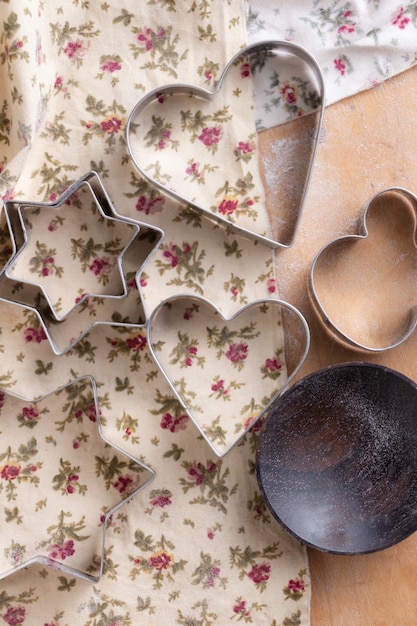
(337, 462)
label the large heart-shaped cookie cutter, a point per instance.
(226, 372)
(262, 49)
(363, 286)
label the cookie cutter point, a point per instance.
(42, 559)
(331, 326)
(106, 213)
(302, 335)
(208, 95)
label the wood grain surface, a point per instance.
(368, 143)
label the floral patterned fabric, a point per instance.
(196, 545)
(357, 44)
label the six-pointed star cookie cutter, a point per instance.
(36, 296)
(188, 90)
(18, 224)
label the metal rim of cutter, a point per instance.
(320, 309)
(205, 94)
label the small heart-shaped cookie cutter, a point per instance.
(290, 338)
(329, 254)
(188, 90)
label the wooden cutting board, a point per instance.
(368, 143)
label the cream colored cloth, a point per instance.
(197, 545)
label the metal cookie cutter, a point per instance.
(52, 488)
(65, 332)
(363, 287)
(49, 275)
(248, 360)
(257, 52)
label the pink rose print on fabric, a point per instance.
(400, 19)
(161, 501)
(124, 484)
(348, 27)
(245, 147)
(62, 551)
(10, 471)
(242, 610)
(29, 416)
(245, 70)
(245, 150)
(137, 343)
(295, 587)
(198, 473)
(101, 267)
(193, 170)
(148, 205)
(170, 254)
(160, 561)
(260, 573)
(192, 351)
(111, 125)
(272, 365)
(340, 66)
(210, 135)
(271, 285)
(148, 38)
(110, 66)
(34, 335)
(228, 206)
(14, 615)
(289, 93)
(174, 424)
(237, 352)
(75, 49)
(219, 388)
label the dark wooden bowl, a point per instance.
(337, 458)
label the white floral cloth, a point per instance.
(357, 43)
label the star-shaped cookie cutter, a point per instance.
(46, 271)
(59, 331)
(61, 545)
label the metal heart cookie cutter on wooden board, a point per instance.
(363, 287)
(253, 57)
